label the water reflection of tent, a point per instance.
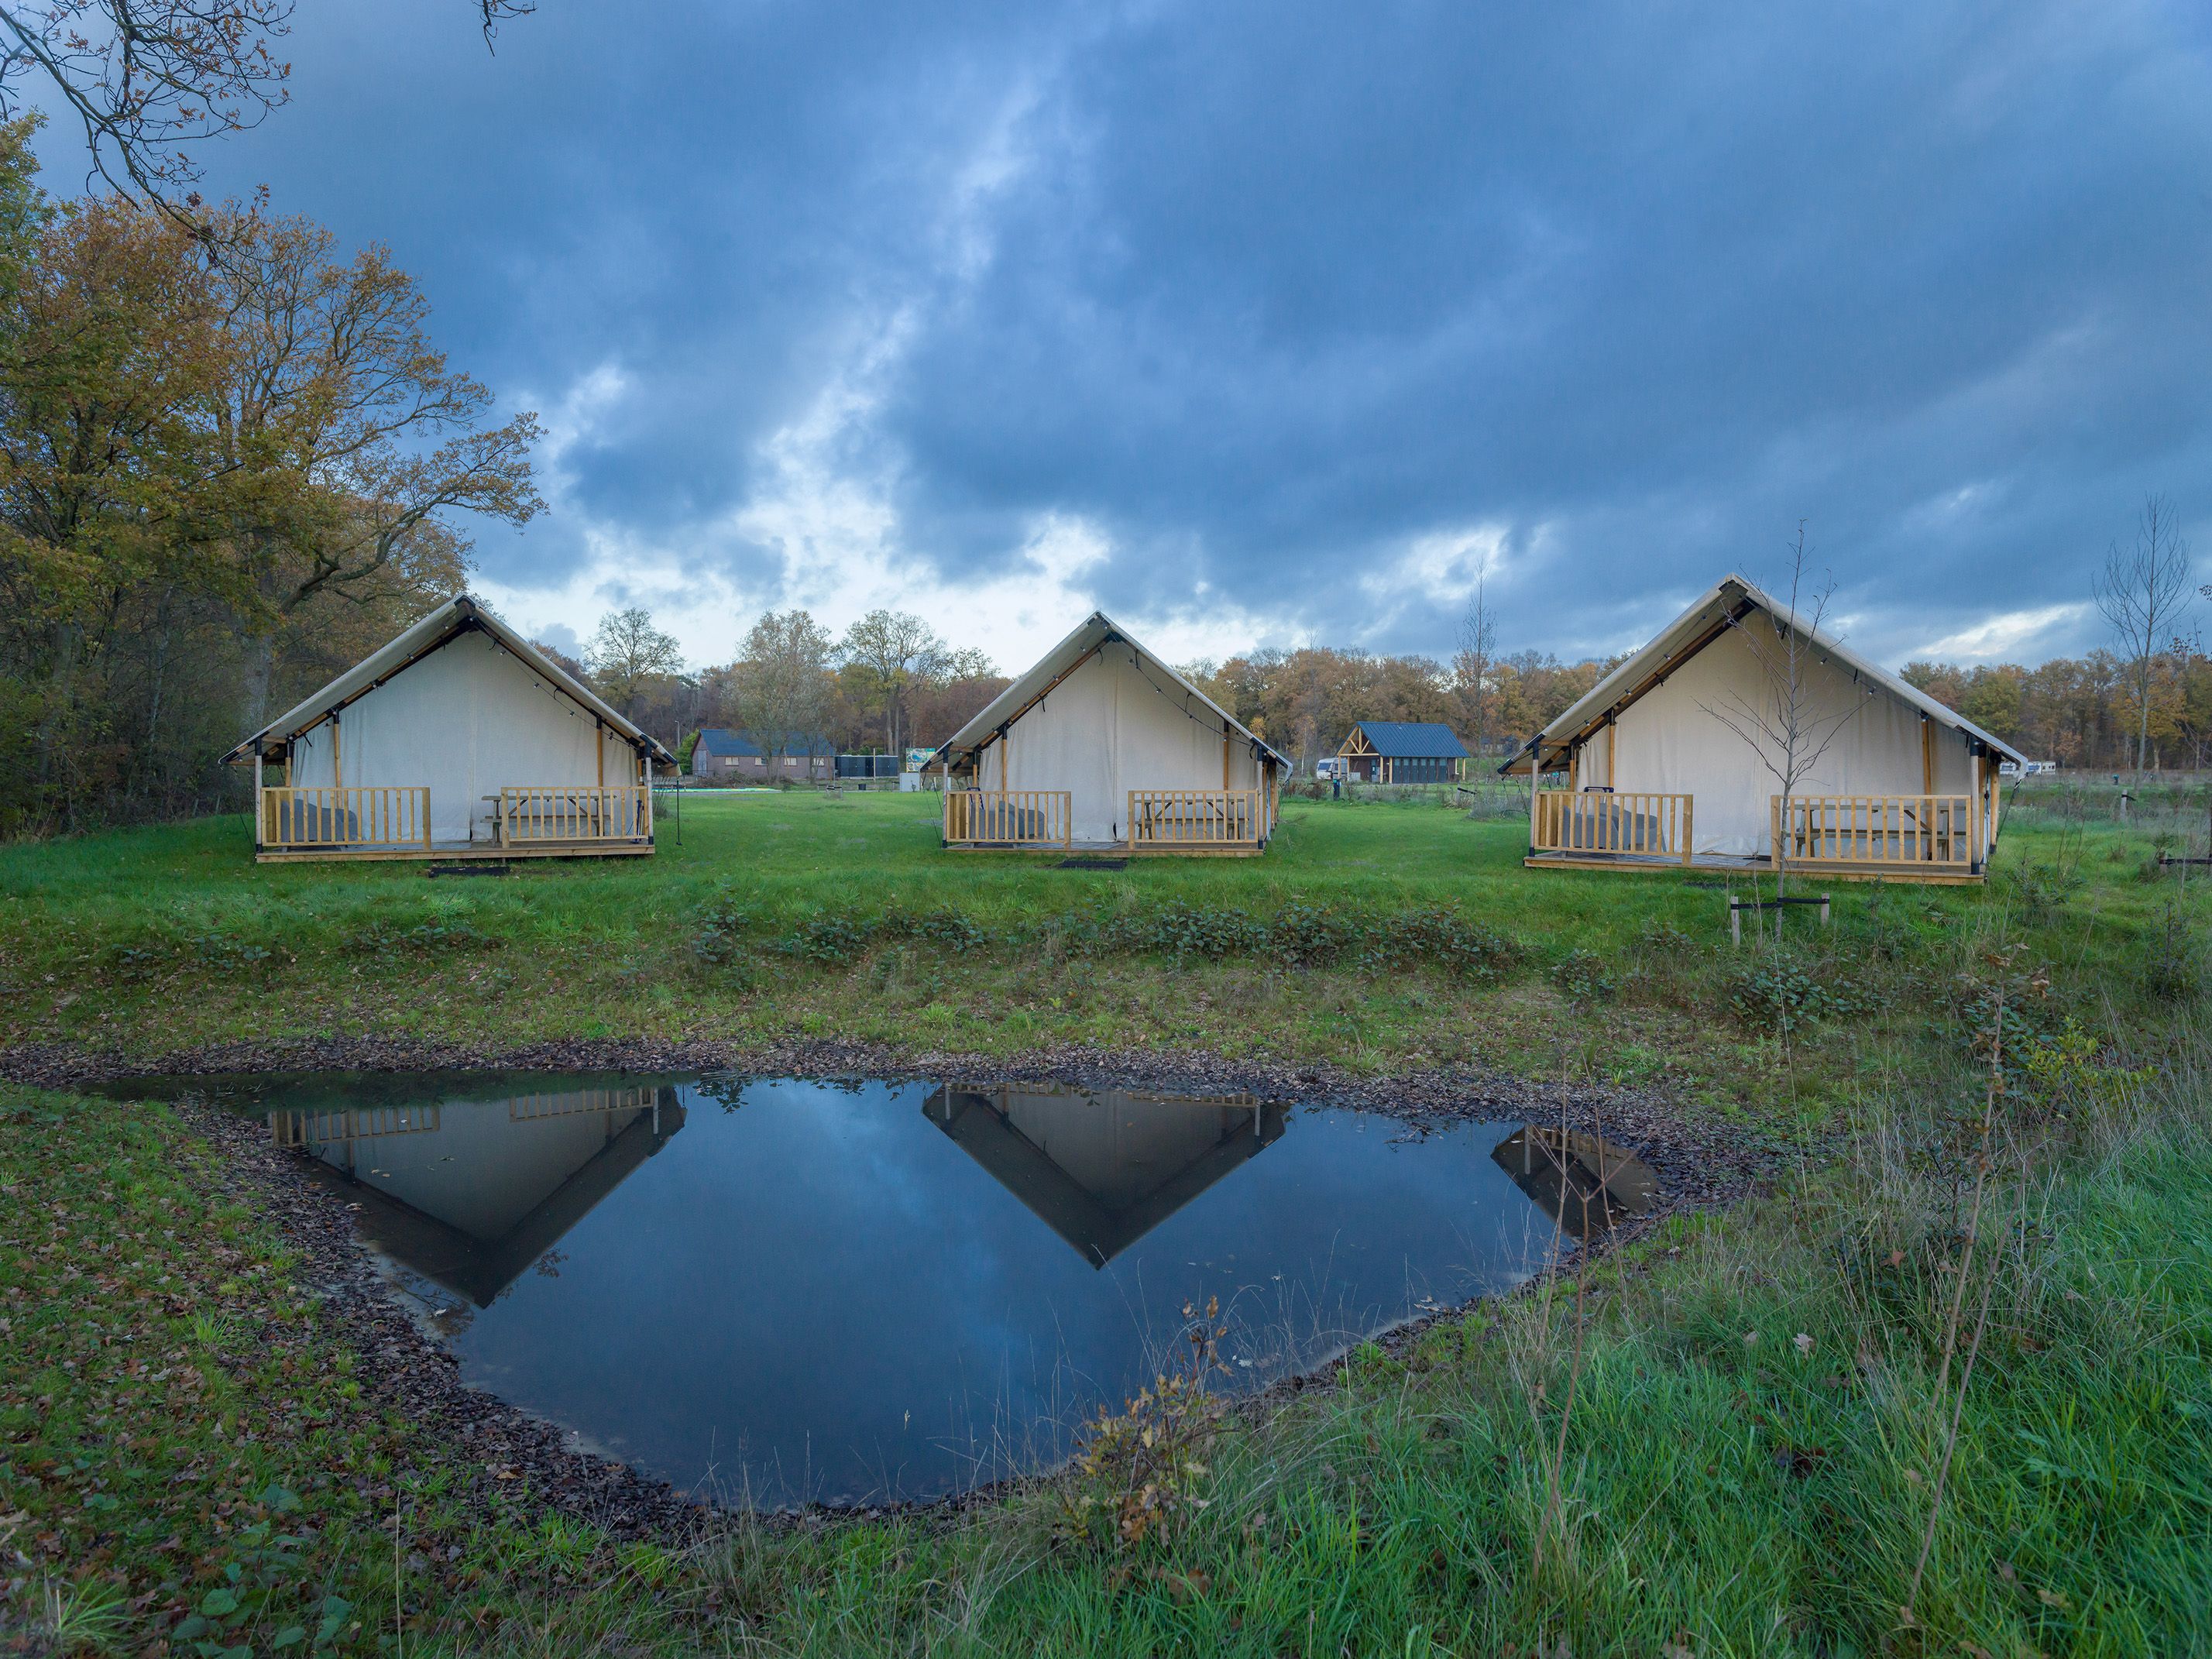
(473, 1202)
(1583, 1183)
(1102, 1169)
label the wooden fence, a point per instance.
(366, 815)
(1198, 817)
(1594, 821)
(566, 812)
(1009, 818)
(1900, 829)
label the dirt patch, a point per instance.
(501, 1450)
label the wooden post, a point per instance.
(1536, 776)
(1823, 910)
(1927, 755)
(422, 805)
(1224, 754)
(338, 756)
(599, 747)
(1612, 778)
(260, 807)
(1736, 925)
(1689, 833)
(1973, 825)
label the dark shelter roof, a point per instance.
(1412, 739)
(717, 740)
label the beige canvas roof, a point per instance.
(456, 616)
(1728, 602)
(1097, 629)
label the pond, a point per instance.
(772, 1291)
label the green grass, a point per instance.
(167, 1393)
(149, 940)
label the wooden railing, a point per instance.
(368, 815)
(1901, 830)
(1597, 821)
(529, 1108)
(299, 1128)
(548, 812)
(1199, 817)
(1009, 818)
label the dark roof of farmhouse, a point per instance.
(752, 745)
(1412, 739)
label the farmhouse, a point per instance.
(763, 757)
(1744, 737)
(1402, 751)
(1101, 746)
(459, 737)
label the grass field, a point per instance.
(1727, 1438)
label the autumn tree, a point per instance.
(627, 654)
(354, 443)
(781, 682)
(889, 651)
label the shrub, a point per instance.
(1449, 941)
(444, 937)
(2173, 961)
(1309, 935)
(827, 938)
(1137, 1475)
(938, 926)
(1583, 976)
(1778, 992)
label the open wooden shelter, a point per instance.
(1402, 751)
(458, 738)
(1104, 746)
(1677, 758)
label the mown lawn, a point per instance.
(1724, 1439)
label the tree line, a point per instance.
(886, 684)
(229, 460)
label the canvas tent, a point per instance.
(1101, 745)
(457, 735)
(1678, 755)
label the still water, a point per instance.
(782, 1291)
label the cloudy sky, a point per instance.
(1269, 323)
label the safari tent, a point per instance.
(458, 737)
(1101, 745)
(1680, 754)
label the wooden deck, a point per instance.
(1756, 864)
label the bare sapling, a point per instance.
(1785, 722)
(2142, 592)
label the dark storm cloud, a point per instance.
(1270, 295)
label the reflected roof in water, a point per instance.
(1103, 1168)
